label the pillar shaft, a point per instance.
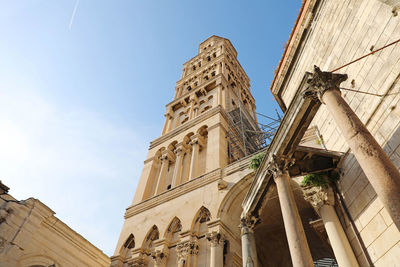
(176, 179)
(216, 249)
(340, 244)
(161, 176)
(249, 252)
(298, 246)
(193, 161)
(379, 169)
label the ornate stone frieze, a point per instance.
(321, 81)
(319, 196)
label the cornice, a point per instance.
(174, 193)
(206, 115)
(67, 233)
(302, 24)
(182, 97)
(189, 186)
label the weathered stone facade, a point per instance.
(30, 235)
(330, 34)
(186, 208)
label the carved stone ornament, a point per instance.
(215, 238)
(280, 165)
(159, 257)
(322, 81)
(183, 250)
(319, 196)
(248, 223)
(139, 262)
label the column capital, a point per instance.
(185, 249)
(196, 139)
(215, 238)
(248, 223)
(319, 196)
(321, 81)
(159, 257)
(280, 165)
(179, 149)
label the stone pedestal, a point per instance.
(379, 169)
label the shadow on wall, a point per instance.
(365, 210)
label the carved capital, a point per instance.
(319, 196)
(215, 238)
(183, 250)
(139, 262)
(322, 81)
(280, 165)
(197, 139)
(180, 148)
(248, 223)
(159, 257)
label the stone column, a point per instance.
(163, 171)
(323, 201)
(160, 258)
(195, 154)
(298, 246)
(216, 249)
(379, 169)
(249, 252)
(176, 178)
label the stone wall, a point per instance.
(341, 31)
(30, 235)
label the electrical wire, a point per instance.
(373, 52)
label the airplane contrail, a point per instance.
(73, 14)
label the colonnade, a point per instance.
(380, 171)
(176, 155)
(187, 252)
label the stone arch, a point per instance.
(202, 216)
(152, 234)
(173, 227)
(153, 175)
(36, 260)
(126, 249)
(186, 157)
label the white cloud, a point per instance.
(82, 166)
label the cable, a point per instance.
(373, 52)
(367, 93)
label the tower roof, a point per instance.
(215, 37)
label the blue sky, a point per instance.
(82, 96)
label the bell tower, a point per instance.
(184, 178)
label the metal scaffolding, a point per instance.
(245, 135)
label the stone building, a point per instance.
(186, 208)
(355, 108)
(340, 125)
(31, 236)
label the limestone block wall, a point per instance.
(341, 31)
(30, 235)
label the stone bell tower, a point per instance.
(176, 217)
